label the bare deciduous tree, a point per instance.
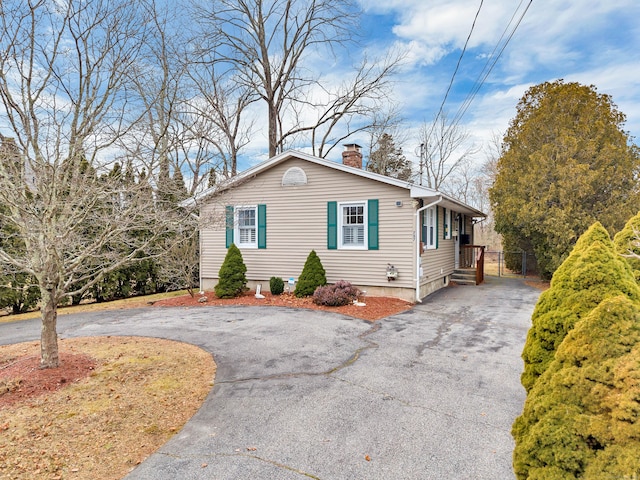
(64, 68)
(218, 111)
(265, 45)
(355, 106)
(444, 149)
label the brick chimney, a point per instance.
(352, 155)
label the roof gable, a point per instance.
(415, 191)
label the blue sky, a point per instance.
(587, 41)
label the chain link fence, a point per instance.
(510, 264)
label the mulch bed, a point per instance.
(375, 308)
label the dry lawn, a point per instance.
(137, 392)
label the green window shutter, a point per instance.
(372, 217)
(423, 227)
(445, 224)
(437, 226)
(332, 225)
(229, 225)
(262, 226)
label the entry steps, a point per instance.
(464, 276)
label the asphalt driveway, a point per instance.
(427, 394)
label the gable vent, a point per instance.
(293, 177)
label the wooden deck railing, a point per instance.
(473, 257)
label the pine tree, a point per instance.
(389, 160)
(232, 280)
(312, 276)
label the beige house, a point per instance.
(386, 236)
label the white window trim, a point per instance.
(430, 216)
(236, 226)
(341, 205)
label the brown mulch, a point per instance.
(21, 377)
(375, 308)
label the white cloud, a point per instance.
(592, 42)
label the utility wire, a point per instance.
(464, 49)
(492, 59)
(489, 65)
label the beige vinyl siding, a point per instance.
(297, 223)
(438, 262)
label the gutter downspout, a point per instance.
(418, 299)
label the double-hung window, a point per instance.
(353, 223)
(246, 226)
(430, 228)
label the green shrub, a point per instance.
(276, 285)
(582, 417)
(627, 243)
(312, 276)
(232, 280)
(23, 294)
(591, 273)
(336, 295)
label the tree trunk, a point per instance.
(273, 130)
(49, 335)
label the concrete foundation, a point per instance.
(404, 293)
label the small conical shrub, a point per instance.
(232, 280)
(582, 417)
(591, 273)
(312, 276)
(627, 243)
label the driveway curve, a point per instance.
(430, 393)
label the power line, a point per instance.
(464, 49)
(492, 60)
(489, 65)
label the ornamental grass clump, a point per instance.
(591, 273)
(312, 276)
(582, 417)
(336, 295)
(232, 281)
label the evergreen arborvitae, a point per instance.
(627, 242)
(232, 280)
(582, 417)
(591, 273)
(312, 276)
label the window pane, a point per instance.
(247, 226)
(347, 235)
(247, 218)
(353, 233)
